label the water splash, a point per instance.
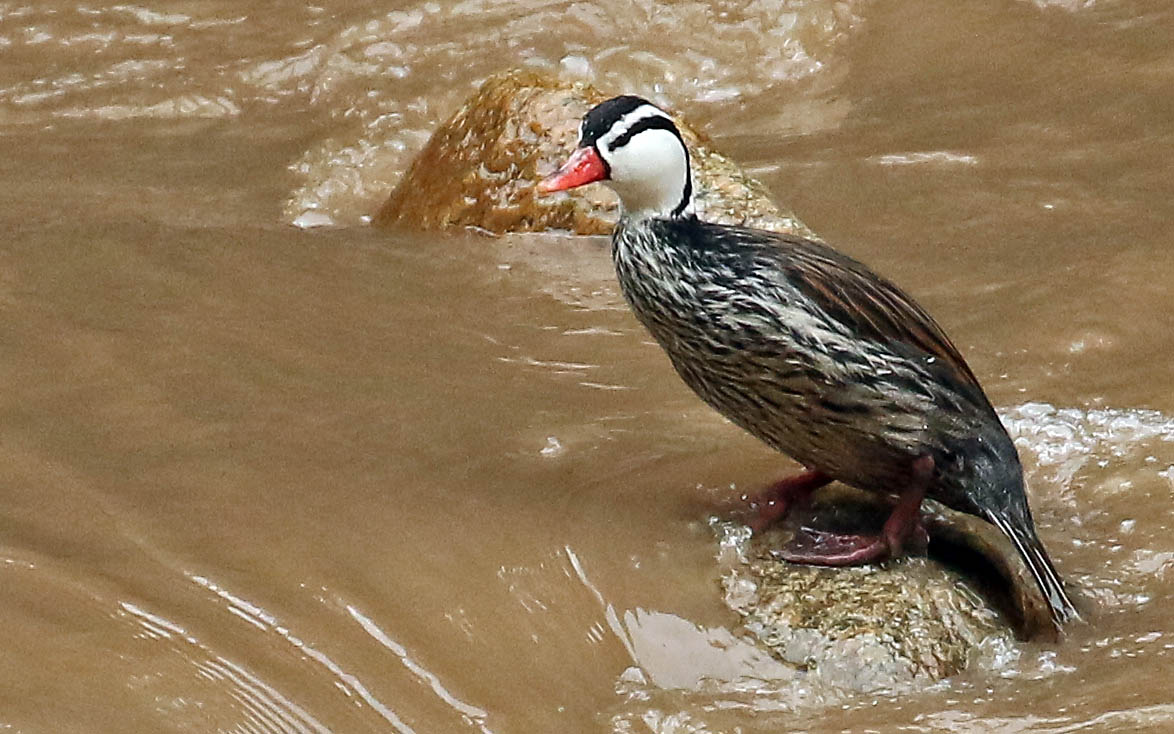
(1067, 440)
(389, 81)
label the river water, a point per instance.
(267, 469)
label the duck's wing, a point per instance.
(872, 307)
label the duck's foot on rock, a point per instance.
(822, 548)
(894, 627)
(827, 532)
(774, 504)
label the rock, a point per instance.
(975, 546)
(883, 626)
(479, 168)
(865, 629)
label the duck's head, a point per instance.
(633, 146)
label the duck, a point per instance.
(806, 349)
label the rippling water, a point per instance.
(275, 478)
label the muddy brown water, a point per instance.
(262, 476)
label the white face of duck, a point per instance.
(635, 148)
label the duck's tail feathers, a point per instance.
(1045, 574)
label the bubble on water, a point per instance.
(313, 218)
(577, 66)
(632, 675)
(552, 448)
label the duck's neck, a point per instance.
(668, 194)
(641, 250)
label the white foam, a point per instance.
(1069, 438)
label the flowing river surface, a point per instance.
(265, 468)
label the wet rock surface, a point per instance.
(479, 169)
(863, 628)
(908, 621)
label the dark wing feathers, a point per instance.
(873, 308)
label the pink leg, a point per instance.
(829, 549)
(774, 503)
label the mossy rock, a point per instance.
(888, 625)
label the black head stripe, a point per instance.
(687, 196)
(655, 122)
(604, 115)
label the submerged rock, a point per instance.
(889, 625)
(480, 167)
(861, 628)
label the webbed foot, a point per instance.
(820, 548)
